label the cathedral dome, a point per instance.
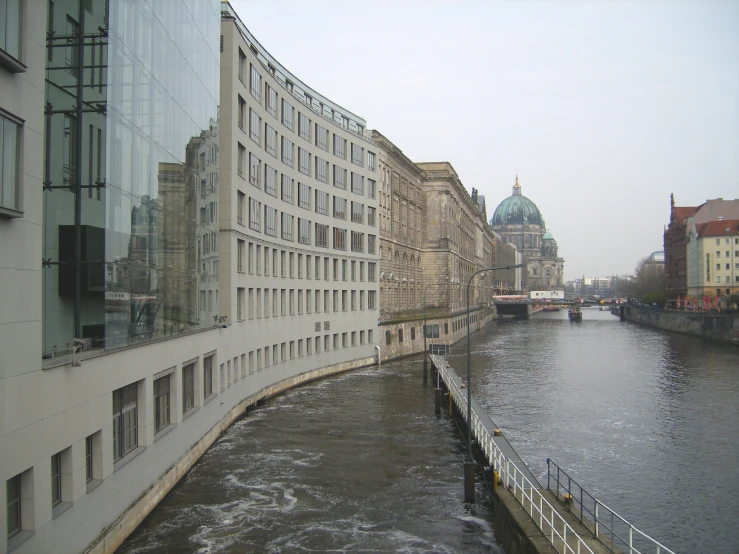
(548, 236)
(517, 209)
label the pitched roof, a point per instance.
(713, 209)
(718, 228)
(681, 212)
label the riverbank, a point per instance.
(707, 325)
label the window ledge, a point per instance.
(11, 63)
(189, 412)
(10, 212)
(59, 509)
(210, 398)
(19, 538)
(164, 431)
(128, 457)
(92, 484)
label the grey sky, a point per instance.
(605, 108)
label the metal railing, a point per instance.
(617, 534)
(562, 536)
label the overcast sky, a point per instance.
(604, 108)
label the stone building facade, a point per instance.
(518, 221)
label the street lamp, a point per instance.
(425, 348)
(469, 465)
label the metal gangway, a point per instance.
(553, 514)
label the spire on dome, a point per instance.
(517, 187)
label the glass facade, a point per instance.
(131, 171)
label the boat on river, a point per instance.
(575, 313)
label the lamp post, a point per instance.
(469, 465)
(425, 348)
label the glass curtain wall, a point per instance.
(131, 171)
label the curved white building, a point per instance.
(199, 245)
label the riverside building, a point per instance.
(184, 229)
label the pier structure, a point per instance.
(531, 518)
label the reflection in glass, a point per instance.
(131, 176)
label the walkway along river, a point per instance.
(644, 419)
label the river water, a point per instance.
(643, 419)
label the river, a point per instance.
(642, 418)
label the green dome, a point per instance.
(517, 209)
(547, 236)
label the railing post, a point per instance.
(580, 504)
(548, 488)
(597, 525)
(631, 539)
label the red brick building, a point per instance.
(676, 275)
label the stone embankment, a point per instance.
(723, 327)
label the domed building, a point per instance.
(519, 222)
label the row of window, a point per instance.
(307, 199)
(262, 358)
(255, 302)
(262, 174)
(260, 260)
(728, 241)
(271, 221)
(727, 253)
(272, 102)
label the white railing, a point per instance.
(562, 536)
(617, 534)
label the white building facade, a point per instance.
(155, 284)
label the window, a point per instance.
(339, 177)
(271, 100)
(413, 333)
(242, 112)
(370, 160)
(270, 180)
(353, 300)
(303, 231)
(125, 420)
(303, 126)
(371, 240)
(339, 207)
(304, 196)
(13, 497)
(287, 152)
(388, 337)
(718, 242)
(286, 189)
(369, 336)
(270, 142)
(208, 376)
(56, 479)
(161, 403)
(371, 216)
(371, 271)
(287, 226)
(71, 52)
(303, 161)
(357, 154)
(321, 170)
(357, 242)
(240, 255)
(321, 137)
(371, 188)
(242, 160)
(322, 202)
(339, 239)
(255, 83)
(89, 459)
(371, 299)
(343, 340)
(254, 166)
(400, 335)
(10, 38)
(255, 124)
(241, 202)
(321, 236)
(357, 183)
(357, 212)
(242, 65)
(270, 220)
(188, 387)
(339, 147)
(287, 115)
(255, 211)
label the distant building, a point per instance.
(519, 222)
(712, 256)
(676, 238)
